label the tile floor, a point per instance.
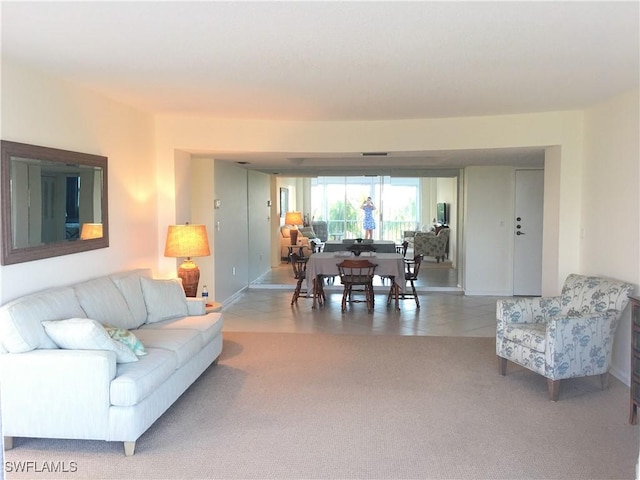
(266, 307)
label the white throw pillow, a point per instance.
(86, 334)
(165, 299)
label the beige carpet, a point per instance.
(296, 406)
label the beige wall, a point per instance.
(591, 173)
(42, 110)
(541, 129)
(610, 212)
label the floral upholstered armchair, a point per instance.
(428, 244)
(561, 337)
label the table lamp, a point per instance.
(91, 230)
(187, 241)
(295, 219)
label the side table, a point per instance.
(291, 247)
(212, 307)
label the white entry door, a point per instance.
(527, 235)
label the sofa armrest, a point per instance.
(528, 309)
(56, 393)
(196, 306)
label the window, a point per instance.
(337, 200)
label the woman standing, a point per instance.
(369, 223)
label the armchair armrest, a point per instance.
(579, 346)
(528, 309)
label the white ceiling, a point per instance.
(335, 60)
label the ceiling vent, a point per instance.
(374, 154)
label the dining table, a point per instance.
(325, 264)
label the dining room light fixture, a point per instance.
(187, 241)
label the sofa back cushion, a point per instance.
(129, 285)
(582, 294)
(102, 301)
(165, 299)
(21, 329)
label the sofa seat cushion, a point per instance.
(209, 325)
(102, 301)
(21, 329)
(136, 381)
(185, 344)
(530, 335)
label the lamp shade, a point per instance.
(91, 230)
(187, 241)
(293, 218)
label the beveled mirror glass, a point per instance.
(54, 202)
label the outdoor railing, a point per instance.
(391, 230)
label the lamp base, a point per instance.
(294, 236)
(190, 275)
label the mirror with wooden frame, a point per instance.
(54, 202)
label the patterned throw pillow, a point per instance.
(127, 338)
(307, 232)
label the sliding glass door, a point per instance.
(338, 201)
(399, 207)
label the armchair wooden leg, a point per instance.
(554, 389)
(8, 443)
(502, 366)
(604, 380)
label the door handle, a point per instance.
(519, 233)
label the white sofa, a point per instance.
(93, 387)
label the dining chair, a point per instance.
(412, 269)
(357, 273)
(402, 248)
(299, 265)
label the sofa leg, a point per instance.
(8, 443)
(502, 366)
(554, 389)
(129, 448)
(604, 380)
